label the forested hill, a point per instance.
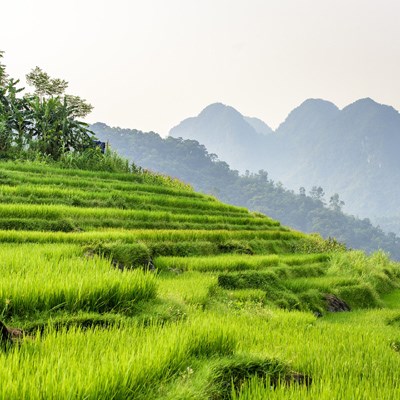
(353, 151)
(189, 161)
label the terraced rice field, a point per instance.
(133, 286)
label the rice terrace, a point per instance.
(131, 285)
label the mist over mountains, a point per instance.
(352, 151)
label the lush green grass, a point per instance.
(67, 218)
(218, 236)
(225, 313)
(36, 279)
(236, 262)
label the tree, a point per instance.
(335, 203)
(46, 87)
(14, 114)
(3, 74)
(55, 128)
(317, 193)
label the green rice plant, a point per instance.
(377, 270)
(191, 288)
(106, 217)
(249, 298)
(109, 197)
(359, 296)
(94, 182)
(313, 270)
(37, 224)
(325, 284)
(124, 255)
(229, 375)
(82, 320)
(315, 243)
(44, 282)
(182, 248)
(235, 262)
(112, 363)
(145, 176)
(249, 280)
(148, 236)
(217, 263)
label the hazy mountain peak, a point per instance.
(224, 130)
(318, 106)
(219, 111)
(369, 105)
(310, 113)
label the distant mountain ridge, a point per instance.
(225, 132)
(353, 151)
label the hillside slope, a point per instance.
(188, 160)
(132, 285)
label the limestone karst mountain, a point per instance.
(352, 151)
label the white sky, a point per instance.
(148, 64)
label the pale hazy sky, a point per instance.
(149, 64)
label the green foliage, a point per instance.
(3, 74)
(55, 131)
(43, 124)
(314, 243)
(44, 85)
